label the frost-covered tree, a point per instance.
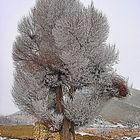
(64, 67)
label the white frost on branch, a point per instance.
(34, 98)
(84, 106)
(81, 35)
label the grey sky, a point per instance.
(123, 17)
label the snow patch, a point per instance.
(130, 138)
(138, 138)
(4, 138)
(83, 133)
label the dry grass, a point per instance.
(86, 137)
(114, 133)
(18, 131)
(27, 131)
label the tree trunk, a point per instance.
(67, 131)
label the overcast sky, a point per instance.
(124, 20)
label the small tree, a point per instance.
(64, 72)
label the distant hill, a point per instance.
(17, 118)
(134, 98)
(117, 111)
(5, 120)
(123, 110)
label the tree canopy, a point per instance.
(61, 48)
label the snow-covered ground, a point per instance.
(100, 122)
(129, 138)
(107, 125)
